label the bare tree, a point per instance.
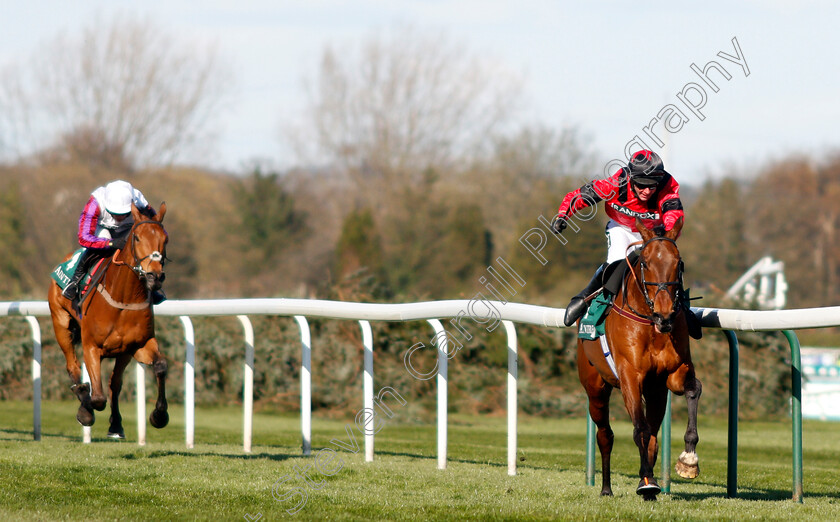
(391, 107)
(122, 86)
(526, 175)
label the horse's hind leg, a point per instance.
(684, 381)
(115, 431)
(150, 355)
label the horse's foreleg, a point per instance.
(694, 388)
(687, 465)
(656, 401)
(115, 431)
(631, 388)
(64, 336)
(599, 409)
(63, 326)
(93, 362)
(150, 355)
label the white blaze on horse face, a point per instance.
(155, 256)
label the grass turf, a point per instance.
(60, 478)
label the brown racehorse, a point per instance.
(117, 320)
(648, 340)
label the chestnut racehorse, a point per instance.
(116, 320)
(647, 338)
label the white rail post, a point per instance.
(442, 403)
(513, 369)
(367, 390)
(305, 385)
(248, 383)
(36, 376)
(189, 381)
(140, 377)
(85, 429)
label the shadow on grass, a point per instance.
(521, 464)
(774, 495)
(434, 457)
(27, 436)
(138, 455)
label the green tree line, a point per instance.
(276, 235)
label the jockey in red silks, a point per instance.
(103, 226)
(643, 189)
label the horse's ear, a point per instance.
(161, 211)
(644, 231)
(136, 213)
(674, 233)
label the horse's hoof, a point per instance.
(159, 419)
(687, 465)
(81, 390)
(116, 434)
(648, 488)
(85, 416)
(606, 493)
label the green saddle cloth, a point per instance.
(592, 323)
(64, 271)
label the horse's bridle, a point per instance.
(154, 256)
(660, 286)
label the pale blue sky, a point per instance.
(607, 67)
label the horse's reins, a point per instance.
(642, 286)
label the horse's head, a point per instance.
(146, 246)
(660, 273)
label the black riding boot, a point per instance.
(71, 291)
(695, 330)
(577, 307)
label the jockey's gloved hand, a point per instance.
(117, 242)
(558, 224)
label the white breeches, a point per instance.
(618, 239)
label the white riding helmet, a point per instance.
(118, 197)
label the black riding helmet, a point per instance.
(646, 169)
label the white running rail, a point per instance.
(431, 311)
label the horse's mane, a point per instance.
(659, 230)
